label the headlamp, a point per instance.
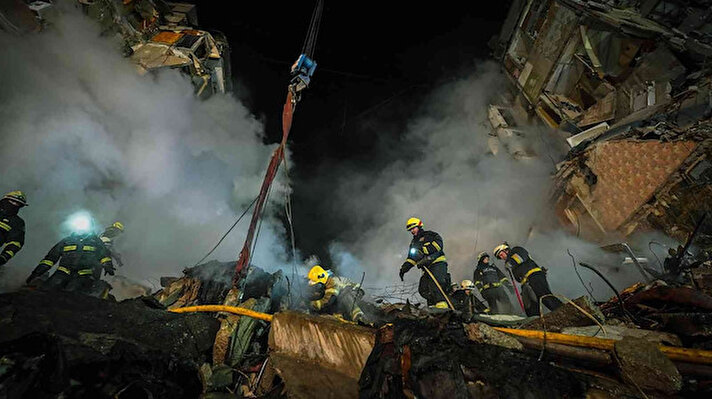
(80, 222)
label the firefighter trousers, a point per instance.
(498, 301)
(348, 304)
(535, 288)
(69, 282)
(427, 288)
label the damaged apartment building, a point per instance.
(162, 35)
(156, 35)
(626, 86)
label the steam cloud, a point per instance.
(81, 130)
(443, 171)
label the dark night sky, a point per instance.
(375, 60)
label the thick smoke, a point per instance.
(443, 172)
(81, 130)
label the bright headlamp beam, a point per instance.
(80, 223)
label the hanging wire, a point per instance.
(290, 221)
(259, 227)
(227, 232)
(662, 268)
(573, 261)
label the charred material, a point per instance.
(62, 343)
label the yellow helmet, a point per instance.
(317, 274)
(17, 196)
(466, 285)
(413, 223)
(118, 225)
(500, 248)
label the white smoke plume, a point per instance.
(81, 130)
(442, 171)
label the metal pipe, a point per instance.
(635, 261)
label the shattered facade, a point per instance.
(627, 84)
(155, 35)
(159, 34)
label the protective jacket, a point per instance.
(426, 244)
(77, 255)
(12, 234)
(522, 265)
(427, 250)
(488, 276)
(340, 297)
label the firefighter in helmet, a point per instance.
(464, 299)
(76, 256)
(530, 275)
(12, 227)
(491, 282)
(334, 295)
(426, 252)
(109, 236)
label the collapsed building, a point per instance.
(259, 340)
(626, 85)
(163, 35)
(154, 35)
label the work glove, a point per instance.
(404, 269)
(2, 260)
(317, 291)
(31, 278)
(425, 261)
(110, 270)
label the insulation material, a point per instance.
(304, 346)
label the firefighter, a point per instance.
(108, 237)
(530, 276)
(491, 282)
(464, 299)
(335, 295)
(426, 251)
(76, 255)
(12, 227)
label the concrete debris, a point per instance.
(484, 334)
(567, 316)
(629, 85)
(155, 34)
(642, 364)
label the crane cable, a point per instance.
(313, 31)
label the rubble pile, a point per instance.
(623, 89)
(63, 344)
(637, 355)
(239, 358)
